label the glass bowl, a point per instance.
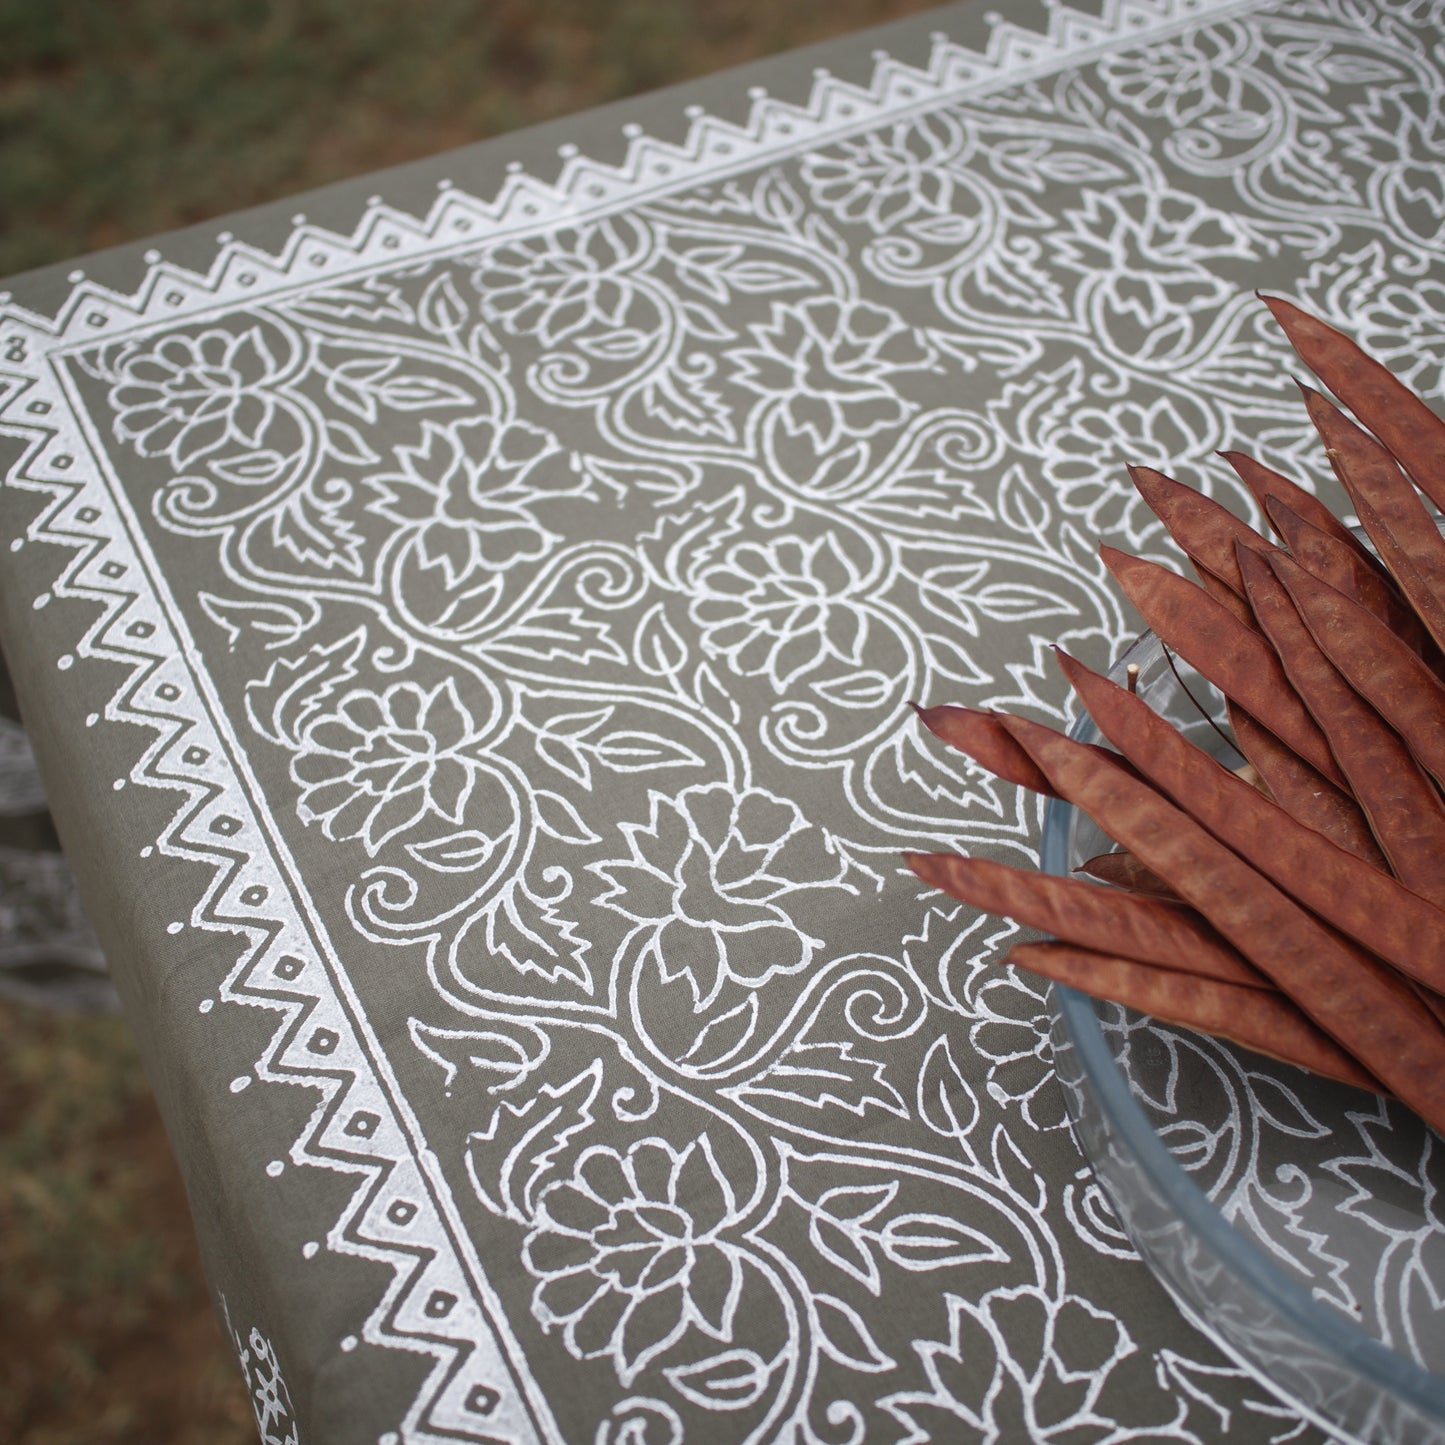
(1299, 1222)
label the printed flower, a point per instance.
(468, 493)
(1055, 1365)
(782, 608)
(711, 875)
(887, 176)
(1405, 327)
(188, 395)
(1146, 260)
(827, 363)
(1181, 81)
(1089, 451)
(563, 283)
(1012, 1034)
(382, 762)
(630, 1255)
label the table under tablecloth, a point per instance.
(465, 618)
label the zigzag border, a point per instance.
(436, 1304)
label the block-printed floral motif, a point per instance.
(570, 586)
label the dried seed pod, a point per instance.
(1144, 929)
(1267, 1022)
(980, 736)
(1378, 665)
(1326, 557)
(1402, 804)
(1205, 531)
(1302, 791)
(1123, 870)
(1265, 484)
(1341, 889)
(1236, 659)
(1363, 1004)
(1380, 400)
(1404, 533)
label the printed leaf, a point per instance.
(846, 1339)
(827, 1075)
(442, 310)
(498, 1051)
(416, 393)
(945, 1101)
(560, 820)
(249, 469)
(660, 650)
(277, 620)
(636, 752)
(760, 277)
(732, 1380)
(932, 1241)
(868, 688)
(847, 1249)
(461, 852)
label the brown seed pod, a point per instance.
(1381, 401)
(1331, 664)
(982, 737)
(1347, 893)
(1144, 929)
(1402, 804)
(1205, 531)
(1397, 521)
(1324, 556)
(1235, 658)
(1124, 870)
(1378, 665)
(1267, 1022)
(1362, 1003)
(1302, 791)
(1266, 484)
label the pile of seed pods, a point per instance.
(1298, 908)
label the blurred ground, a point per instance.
(121, 119)
(118, 120)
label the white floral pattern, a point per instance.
(711, 876)
(631, 1253)
(381, 763)
(562, 579)
(783, 610)
(188, 395)
(829, 366)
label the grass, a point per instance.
(106, 1327)
(117, 121)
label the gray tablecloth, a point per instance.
(465, 618)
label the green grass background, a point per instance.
(119, 118)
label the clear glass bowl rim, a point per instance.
(1326, 1328)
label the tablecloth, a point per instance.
(465, 618)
